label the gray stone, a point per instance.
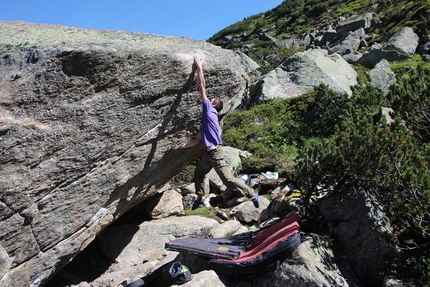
(404, 41)
(386, 112)
(362, 231)
(313, 263)
(365, 21)
(301, 72)
(352, 58)
(247, 213)
(312, 67)
(165, 204)
(204, 278)
(375, 55)
(390, 281)
(4, 262)
(399, 47)
(382, 77)
(425, 48)
(277, 85)
(131, 245)
(329, 37)
(227, 228)
(350, 43)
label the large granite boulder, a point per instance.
(350, 43)
(400, 47)
(314, 263)
(382, 77)
(404, 41)
(90, 122)
(365, 21)
(363, 234)
(301, 72)
(312, 67)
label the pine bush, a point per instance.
(348, 147)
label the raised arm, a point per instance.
(201, 84)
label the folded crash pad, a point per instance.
(225, 247)
(245, 252)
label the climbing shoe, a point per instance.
(255, 200)
(199, 201)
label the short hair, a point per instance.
(218, 104)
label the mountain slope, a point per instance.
(294, 18)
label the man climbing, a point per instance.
(210, 135)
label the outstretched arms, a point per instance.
(201, 84)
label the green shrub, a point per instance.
(348, 147)
(411, 100)
(270, 131)
(185, 176)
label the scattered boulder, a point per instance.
(288, 42)
(329, 36)
(313, 263)
(350, 43)
(363, 233)
(228, 227)
(301, 72)
(247, 213)
(128, 245)
(315, 66)
(405, 41)
(142, 248)
(390, 281)
(249, 64)
(352, 58)
(375, 55)
(424, 49)
(276, 85)
(399, 47)
(382, 77)
(204, 278)
(164, 204)
(365, 21)
(387, 113)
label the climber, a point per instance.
(210, 135)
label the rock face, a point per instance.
(381, 76)
(89, 124)
(313, 264)
(301, 72)
(357, 220)
(315, 66)
(400, 46)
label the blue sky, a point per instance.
(189, 18)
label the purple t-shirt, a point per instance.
(209, 125)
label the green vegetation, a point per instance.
(271, 132)
(201, 210)
(352, 149)
(294, 18)
(349, 147)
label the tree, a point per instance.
(348, 148)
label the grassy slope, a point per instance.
(296, 17)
